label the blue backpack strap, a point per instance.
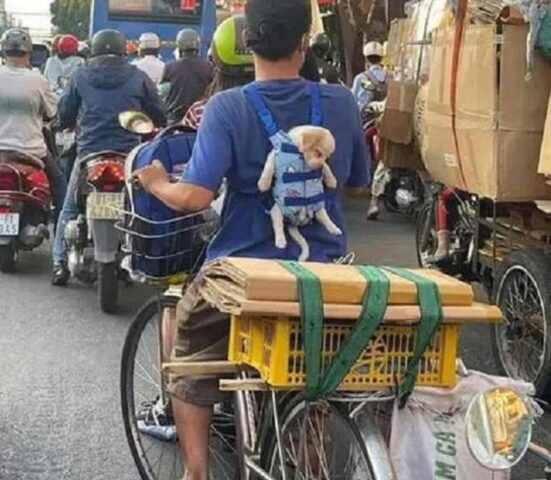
(316, 114)
(261, 109)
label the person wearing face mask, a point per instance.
(232, 144)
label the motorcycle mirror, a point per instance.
(498, 428)
(136, 122)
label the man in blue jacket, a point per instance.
(95, 97)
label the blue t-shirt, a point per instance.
(233, 144)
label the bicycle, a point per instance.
(264, 433)
(255, 415)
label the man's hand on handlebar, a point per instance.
(152, 176)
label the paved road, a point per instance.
(59, 364)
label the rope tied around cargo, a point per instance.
(375, 301)
(432, 315)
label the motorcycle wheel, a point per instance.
(8, 258)
(426, 241)
(108, 286)
(522, 343)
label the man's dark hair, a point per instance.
(150, 51)
(275, 28)
(374, 59)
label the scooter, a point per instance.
(404, 190)
(93, 242)
(25, 206)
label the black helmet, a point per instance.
(321, 45)
(188, 40)
(108, 42)
(16, 40)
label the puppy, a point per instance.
(316, 145)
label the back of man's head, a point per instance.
(276, 28)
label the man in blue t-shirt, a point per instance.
(232, 144)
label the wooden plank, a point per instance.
(249, 384)
(399, 314)
(267, 280)
(178, 367)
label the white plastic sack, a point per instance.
(428, 436)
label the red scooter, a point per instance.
(25, 206)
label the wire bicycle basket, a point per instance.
(159, 250)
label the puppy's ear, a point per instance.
(308, 140)
(329, 144)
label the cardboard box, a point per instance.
(499, 116)
(399, 33)
(397, 155)
(545, 154)
(397, 120)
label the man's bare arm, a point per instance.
(184, 197)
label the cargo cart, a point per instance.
(507, 248)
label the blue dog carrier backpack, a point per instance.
(162, 242)
(297, 188)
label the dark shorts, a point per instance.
(202, 334)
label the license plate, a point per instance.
(65, 139)
(104, 206)
(9, 224)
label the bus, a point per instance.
(163, 17)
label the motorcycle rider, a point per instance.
(188, 77)
(150, 63)
(370, 85)
(232, 143)
(26, 100)
(61, 67)
(233, 62)
(321, 46)
(95, 96)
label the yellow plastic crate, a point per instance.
(273, 346)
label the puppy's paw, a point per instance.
(334, 230)
(281, 242)
(264, 184)
(331, 182)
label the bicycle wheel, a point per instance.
(156, 452)
(319, 442)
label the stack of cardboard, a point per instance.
(396, 128)
(246, 286)
(545, 154)
(494, 147)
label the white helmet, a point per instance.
(373, 48)
(149, 40)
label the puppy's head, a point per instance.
(315, 143)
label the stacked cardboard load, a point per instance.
(545, 154)
(489, 144)
(246, 286)
(487, 97)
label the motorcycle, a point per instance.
(404, 190)
(458, 214)
(25, 206)
(93, 243)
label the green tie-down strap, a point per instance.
(374, 306)
(430, 305)
(311, 315)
